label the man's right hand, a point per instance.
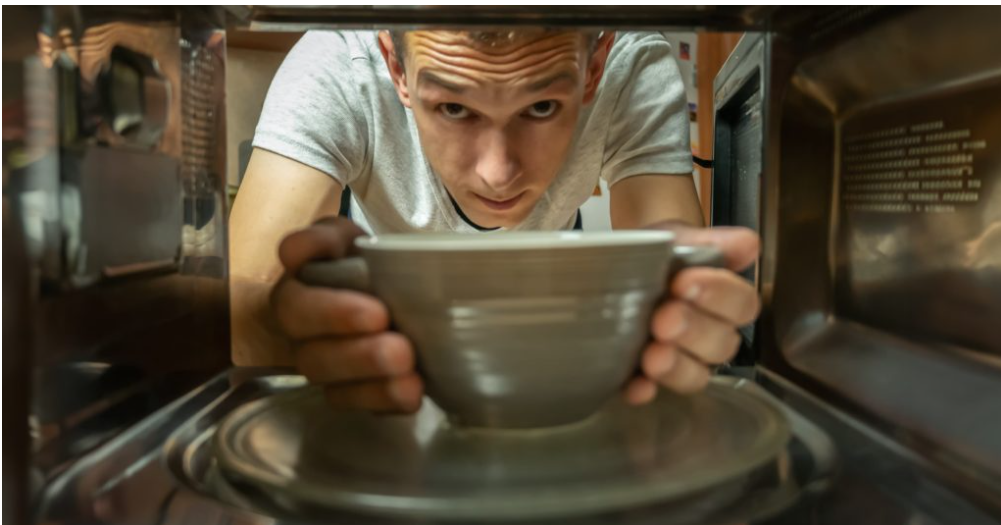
(340, 337)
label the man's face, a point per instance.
(496, 122)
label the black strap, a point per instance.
(463, 215)
(705, 163)
(345, 211)
(577, 225)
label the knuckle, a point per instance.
(752, 310)
(336, 396)
(283, 315)
(698, 380)
(730, 347)
(394, 342)
(308, 362)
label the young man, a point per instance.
(465, 131)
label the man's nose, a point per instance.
(497, 164)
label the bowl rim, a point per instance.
(513, 241)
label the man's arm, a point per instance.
(696, 326)
(643, 200)
(278, 196)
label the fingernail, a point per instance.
(693, 292)
(384, 355)
(642, 393)
(362, 321)
(398, 394)
(394, 359)
(402, 392)
(661, 364)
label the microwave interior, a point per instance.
(863, 144)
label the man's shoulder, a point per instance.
(638, 39)
(640, 57)
(632, 46)
(340, 64)
(329, 103)
(335, 55)
(339, 45)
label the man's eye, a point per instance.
(453, 110)
(543, 109)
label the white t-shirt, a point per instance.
(332, 106)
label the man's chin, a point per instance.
(498, 219)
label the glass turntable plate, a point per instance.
(298, 451)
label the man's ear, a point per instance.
(596, 65)
(396, 70)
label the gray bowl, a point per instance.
(516, 330)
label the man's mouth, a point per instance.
(500, 205)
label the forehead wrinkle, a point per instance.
(533, 80)
(464, 55)
(472, 69)
(495, 66)
(517, 45)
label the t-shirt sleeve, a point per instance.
(648, 132)
(313, 112)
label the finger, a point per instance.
(393, 395)
(328, 238)
(705, 337)
(306, 312)
(640, 391)
(379, 356)
(721, 293)
(740, 246)
(684, 375)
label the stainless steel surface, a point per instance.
(162, 472)
(136, 97)
(299, 453)
(738, 151)
(907, 397)
(879, 481)
(879, 274)
(298, 18)
(17, 367)
(580, 304)
(123, 315)
(141, 233)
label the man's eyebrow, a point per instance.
(548, 81)
(427, 76)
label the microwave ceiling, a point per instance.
(299, 18)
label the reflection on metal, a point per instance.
(880, 267)
(144, 224)
(884, 316)
(135, 97)
(171, 454)
(121, 319)
(203, 147)
(675, 453)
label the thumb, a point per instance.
(329, 238)
(740, 246)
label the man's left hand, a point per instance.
(695, 328)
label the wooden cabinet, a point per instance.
(713, 50)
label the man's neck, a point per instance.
(465, 218)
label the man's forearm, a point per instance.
(643, 200)
(257, 340)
